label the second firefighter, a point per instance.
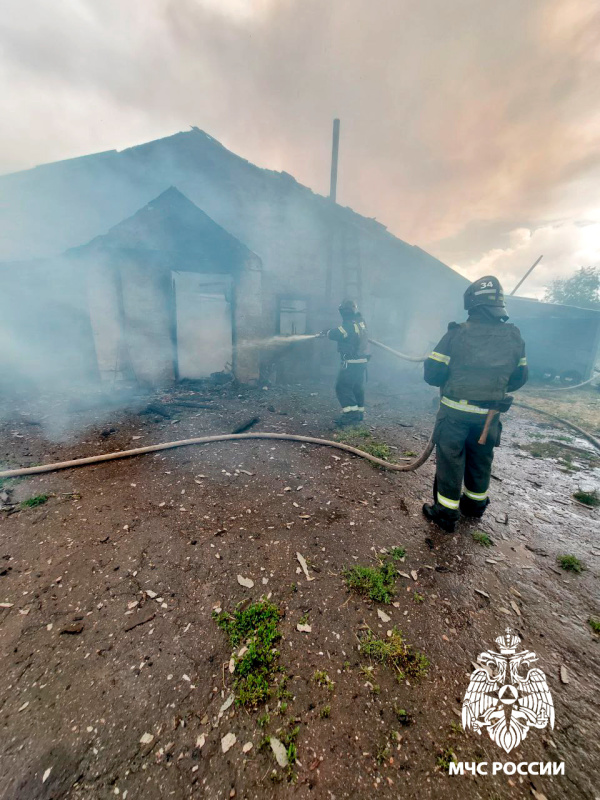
(353, 342)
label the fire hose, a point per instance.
(590, 437)
(575, 386)
(222, 437)
(397, 353)
(228, 437)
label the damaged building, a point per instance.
(172, 295)
(148, 236)
(171, 259)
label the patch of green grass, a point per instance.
(34, 502)
(445, 758)
(304, 619)
(570, 563)
(594, 624)
(378, 449)
(322, 679)
(357, 432)
(544, 449)
(252, 690)
(402, 715)
(568, 465)
(325, 712)
(377, 583)
(418, 598)
(383, 753)
(397, 553)
(409, 453)
(540, 450)
(590, 499)
(482, 538)
(557, 437)
(256, 628)
(282, 692)
(455, 727)
(395, 653)
(263, 721)
(559, 452)
(289, 740)
(363, 440)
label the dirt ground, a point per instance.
(113, 672)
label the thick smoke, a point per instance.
(469, 128)
(462, 121)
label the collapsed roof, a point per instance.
(51, 208)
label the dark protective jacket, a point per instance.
(478, 361)
(352, 339)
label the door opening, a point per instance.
(203, 324)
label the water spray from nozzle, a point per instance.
(278, 341)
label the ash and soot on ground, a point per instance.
(131, 589)
(271, 272)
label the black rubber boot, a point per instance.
(473, 508)
(443, 522)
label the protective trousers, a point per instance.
(460, 458)
(350, 387)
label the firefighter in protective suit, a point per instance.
(352, 339)
(475, 364)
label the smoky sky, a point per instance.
(471, 127)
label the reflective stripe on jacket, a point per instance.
(478, 361)
(352, 339)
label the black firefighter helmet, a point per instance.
(348, 308)
(488, 292)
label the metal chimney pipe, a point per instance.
(334, 160)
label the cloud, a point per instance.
(461, 121)
(566, 246)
